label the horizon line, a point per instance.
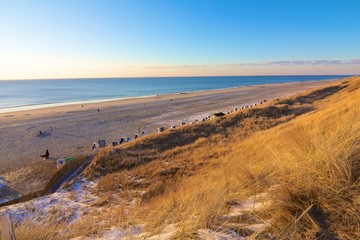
(200, 76)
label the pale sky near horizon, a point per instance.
(141, 38)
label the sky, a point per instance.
(151, 38)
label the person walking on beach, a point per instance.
(47, 154)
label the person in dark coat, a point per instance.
(47, 154)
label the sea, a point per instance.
(17, 95)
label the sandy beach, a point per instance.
(71, 130)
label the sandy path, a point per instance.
(75, 128)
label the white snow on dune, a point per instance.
(67, 204)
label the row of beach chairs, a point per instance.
(102, 143)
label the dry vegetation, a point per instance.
(296, 160)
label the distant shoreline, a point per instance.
(95, 101)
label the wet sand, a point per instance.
(71, 130)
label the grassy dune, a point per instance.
(286, 169)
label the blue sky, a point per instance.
(51, 39)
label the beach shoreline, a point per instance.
(71, 130)
(125, 100)
(50, 93)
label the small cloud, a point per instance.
(172, 66)
(354, 61)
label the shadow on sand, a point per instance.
(7, 193)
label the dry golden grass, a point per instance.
(303, 153)
(96, 222)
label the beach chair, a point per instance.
(102, 143)
(60, 163)
(115, 144)
(122, 140)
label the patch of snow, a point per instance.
(120, 233)
(246, 208)
(132, 202)
(258, 227)
(167, 233)
(207, 234)
(63, 205)
(76, 186)
(3, 181)
(116, 233)
(254, 203)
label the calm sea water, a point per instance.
(29, 94)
